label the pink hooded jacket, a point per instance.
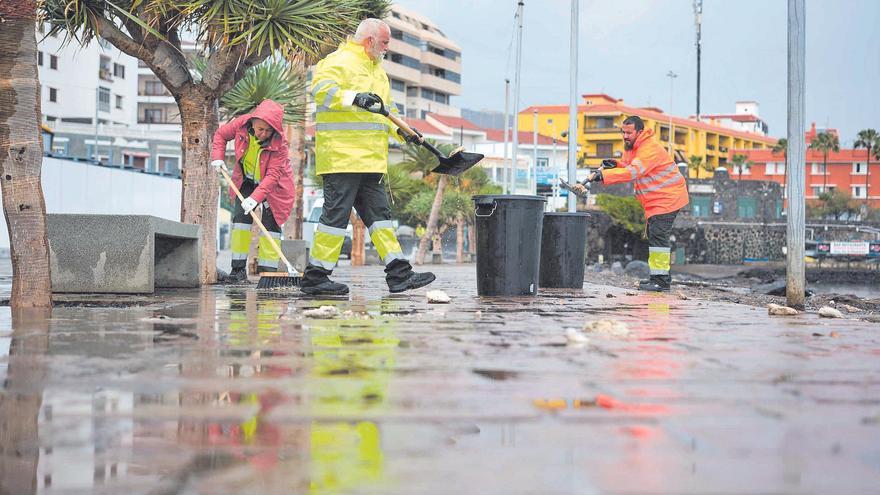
(276, 184)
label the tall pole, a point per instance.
(555, 164)
(516, 85)
(509, 170)
(534, 153)
(671, 75)
(95, 148)
(698, 20)
(572, 105)
(796, 170)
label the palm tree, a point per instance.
(870, 140)
(21, 156)
(237, 34)
(695, 163)
(740, 162)
(825, 142)
(781, 146)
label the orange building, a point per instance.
(847, 170)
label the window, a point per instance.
(604, 122)
(103, 99)
(53, 95)
(119, 102)
(53, 62)
(168, 164)
(153, 115)
(859, 168)
(404, 60)
(40, 59)
(119, 71)
(400, 108)
(441, 97)
(817, 190)
(406, 37)
(746, 207)
(427, 93)
(398, 85)
(543, 162)
(771, 169)
(746, 170)
(818, 169)
(154, 88)
(701, 206)
(412, 91)
(779, 208)
(104, 69)
(858, 192)
(604, 150)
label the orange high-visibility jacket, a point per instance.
(659, 185)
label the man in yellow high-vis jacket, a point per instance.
(351, 146)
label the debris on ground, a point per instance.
(681, 295)
(834, 335)
(778, 310)
(574, 336)
(356, 315)
(607, 327)
(850, 309)
(438, 297)
(609, 295)
(829, 312)
(322, 312)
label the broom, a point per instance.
(269, 280)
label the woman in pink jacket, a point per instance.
(262, 174)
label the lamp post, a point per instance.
(671, 75)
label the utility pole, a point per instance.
(796, 170)
(572, 106)
(671, 75)
(698, 20)
(516, 85)
(534, 153)
(95, 148)
(509, 170)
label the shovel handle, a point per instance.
(272, 241)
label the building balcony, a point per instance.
(438, 84)
(402, 72)
(440, 61)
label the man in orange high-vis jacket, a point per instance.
(659, 186)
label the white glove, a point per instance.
(248, 205)
(218, 164)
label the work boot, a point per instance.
(401, 277)
(654, 284)
(238, 275)
(316, 282)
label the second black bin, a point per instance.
(563, 244)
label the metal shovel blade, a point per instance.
(457, 162)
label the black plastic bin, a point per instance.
(508, 244)
(563, 243)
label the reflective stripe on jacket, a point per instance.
(349, 139)
(659, 186)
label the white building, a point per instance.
(747, 119)
(79, 84)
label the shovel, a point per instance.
(457, 162)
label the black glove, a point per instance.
(411, 139)
(367, 100)
(609, 163)
(597, 176)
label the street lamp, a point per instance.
(671, 75)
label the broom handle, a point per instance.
(275, 245)
(409, 131)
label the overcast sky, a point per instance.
(627, 47)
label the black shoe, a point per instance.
(324, 288)
(412, 281)
(237, 276)
(653, 286)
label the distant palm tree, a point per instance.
(740, 162)
(781, 146)
(21, 156)
(825, 142)
(695, 163)
(870, 140)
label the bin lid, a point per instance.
(487, 198)
(566, 214)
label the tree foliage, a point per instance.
(625, 211)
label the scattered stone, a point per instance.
(631, 293)
(850, 309)
(609, 295)
(829, 312)
(638, 269)
(323, 312)
(438, 297)
(777, 310)
(607, 327)
(573, 336)
(873, 318)
(834, 334)
(816, 334)
(617, 268)
(776, 288)
(478, 315)
(681, 295)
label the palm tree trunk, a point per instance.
(867, 176)
(21, 156)
(825, 172)
(433, 221)
(472, 239)
(459, 240)
(296, 136)
(200, 191)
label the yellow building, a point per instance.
(599, 137)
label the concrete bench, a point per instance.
(129, 254)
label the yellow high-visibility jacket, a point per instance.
(349, 139)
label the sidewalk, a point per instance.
(227, 390)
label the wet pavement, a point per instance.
(227, 390)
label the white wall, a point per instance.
(73, 187)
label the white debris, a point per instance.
(607, 327)
(438, 297)
(777, 310)
(829, 312)
(850, 309)
(574, 336)
(322, 312)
